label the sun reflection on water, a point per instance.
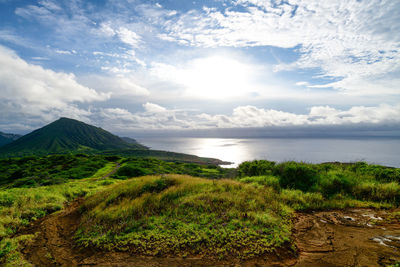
(232, 150)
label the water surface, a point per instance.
(382, 151)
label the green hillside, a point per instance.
(6, 138)
(66, 135)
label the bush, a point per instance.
(296, 175)
(256, 168)
(388, 192)
(336, 182)
(131, 171)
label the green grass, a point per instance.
(136, 167)
(336, 184)
(36, 171)
(109, 167)
(20, 206)
(169, 214)
(182, 215)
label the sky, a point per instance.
(132, 65)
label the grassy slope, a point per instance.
(35, 171)
(20, 206)
(184, 215)
(172, 214)
(66, 135)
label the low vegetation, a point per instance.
(338, 184)
(181, 215)
(33, 171)
(164, 211)
(135, 167)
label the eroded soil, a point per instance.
(355, 237)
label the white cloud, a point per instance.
(106, 29)
(30, 90)
(350, 40)
(65, 52)
(158, 117)
(129, 37)
(154, 108)
(220, 76)
(302, 83)
(119, 85)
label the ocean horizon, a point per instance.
(374, 150)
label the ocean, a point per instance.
(383, 151)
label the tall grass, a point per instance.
(184, 215)
(20, 206)
(337, 184)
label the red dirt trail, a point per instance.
(333, 238)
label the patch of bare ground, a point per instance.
(355, 237)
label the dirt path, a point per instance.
(53, 244)
(111, 172)
(334, 238)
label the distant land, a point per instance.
(6, 138)
(72, 136)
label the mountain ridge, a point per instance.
(6, 138)
(66, 135)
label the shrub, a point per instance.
(256, 168)
(296, 175)
(388, 192)
(336, 182)
(131, 171)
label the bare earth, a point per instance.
(331, 238)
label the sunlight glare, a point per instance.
(217, 77)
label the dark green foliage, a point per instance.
(359, 181)
(381, 173)
(131, 171)
(256, 168)
(134, 167)
(157, 186)
(66, 135)
(165, 155)
(337, 182)
(35, 171)
(296, 175)
(5, 249)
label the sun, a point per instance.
(216, 77)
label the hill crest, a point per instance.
(66, 135)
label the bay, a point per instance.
(383, 151)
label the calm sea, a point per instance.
(314, 150)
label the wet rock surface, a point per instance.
(355, 237)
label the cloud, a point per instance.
(220, 76)
(119, 85)
(129, 37)
(154, 108)
(352, 41)
(65, 52)
(153, 117)
(157, 117)
(28, 90)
